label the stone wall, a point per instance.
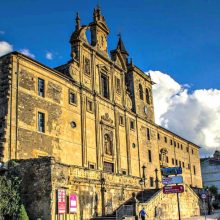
(42, 177)
(36, 186)
(5, 112)
(164, 206)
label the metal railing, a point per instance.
(124, 210)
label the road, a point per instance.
(215, 216)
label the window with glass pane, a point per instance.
(118, 85)
(72, 98)
(108, 167)
(148, 134)
(41, 122)
(149, 156)
(151, 181)
(41, 86)
(104, 86)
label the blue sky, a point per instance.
(181, 38)
(178, 39)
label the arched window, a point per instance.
(147, 96)
(141, 92)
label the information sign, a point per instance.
(61, 201)
(173, 189)
(73, 203)
(203, 196)
(171, 171)
(172, 180)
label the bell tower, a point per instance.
(99, 30)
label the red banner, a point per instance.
(61, 201)
(73, 203)
(173, 189)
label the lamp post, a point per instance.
(142, 182)
(142, 193)
(156, 180)
(143, 174)
(103, 190)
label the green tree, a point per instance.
(23, 214)
(10, 198)
(214, 190)
(10, 205)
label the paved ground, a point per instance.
(215, 216)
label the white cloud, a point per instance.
(5, 48)
(27, 53)
(49, 55)
(194, 116)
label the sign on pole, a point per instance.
(171, 171)
(173, 189)
(172, 180)
(203, 196)
(61, 201)
(73, 203)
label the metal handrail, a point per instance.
(124, 210)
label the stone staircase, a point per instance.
(155, 201)
(146, 195)
(141, 196)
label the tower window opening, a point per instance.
(41, 122)
(141, 92)
(104, 86)
(41, 87)
(147, 96)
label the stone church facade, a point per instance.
(92, 119)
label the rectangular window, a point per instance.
(176, 162)
(124, 172)
(174, 143)
(132, 125)
(104, 86)
(180, 164)
(172, 161)
(194, 170)
(41, 87)
(149, 156)
(158, 136)
(167, 159)
(160, 157)
(192, 151)
(183, 164)
(91, 166)
(148, 134)
(181, 146)
(109, 167)
(187, 149)
(89, 105)
(72, 98)
(165, 139)
(171, 142)
(121, 120)
(151, 182)
(178, 145)
(41, 122)
(117, 85)
(87, 66)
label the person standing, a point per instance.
(142, 214)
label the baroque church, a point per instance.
(86, 129)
